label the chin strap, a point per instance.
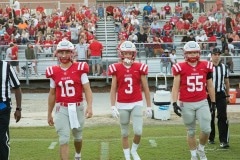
(127, 61)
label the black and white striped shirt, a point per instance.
(220, 72)
(8, 79)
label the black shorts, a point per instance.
(14, 63)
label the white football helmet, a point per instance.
(65, 45)
(191, 46)
(128, 46)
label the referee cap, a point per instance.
(216, 50)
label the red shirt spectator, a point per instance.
(109, 10)
(58, 34)
(157, 42)
(7, 38)
(167, 8)
(180, 24)
(89, 36)
(8, 10)
(212, 38)
(202, 19)
(187, 25)
(24, 9)
(55, 19)
(80, 16)
(167, 39)
(167, 27)
(32, 31)
(51, 23)
(63, 18)
(96, 48)
(67, 13)
(221, 28)
(72, 8)
(178, 9)
(40, 9)
(15, 52)
(194, 25)
(123, 33)
(47, 43)
(67, 35)
(10, 30)
(214, 26)
(173, 20)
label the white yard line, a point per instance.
(52, 145)
(100, 140)
(104, 151)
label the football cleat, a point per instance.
(224, 145)
(201, 155)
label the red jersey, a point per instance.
(40, 9)
(167, 27)
(68, 84)
(167, 9)
(15, 53)
(187, 26)
(128, 81)
(96, 48)
(58, 34)
(180, 25)
(48, 43)
(202, 19)
(193, 80)
(178, 9)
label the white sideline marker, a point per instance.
(52, 145)
(152, 142)
(104, 151)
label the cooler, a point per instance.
(162, 112)
(233, 95)
(162, 100)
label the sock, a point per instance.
(77, 154)
(193, 153)
(134, 147)
(201, 147)
(126, 153)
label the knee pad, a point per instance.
(63, 140)
(124, 130)
(206, 130)
(191, 132)
(137, 131)
(77, 134)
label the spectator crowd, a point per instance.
(21, 25)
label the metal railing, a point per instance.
(153, 63)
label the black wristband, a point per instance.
(18, 109)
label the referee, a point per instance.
(221, 84)
(8, 80)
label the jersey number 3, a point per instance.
(194, 83)
(129, 81)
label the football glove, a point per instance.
(213, 107)
(148, 112)
(115, 112)
(177, 109)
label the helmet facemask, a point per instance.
(128, 57)
(128, 52)
(191, 47)
(64, 51)
(65, 57)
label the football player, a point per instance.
(128, 79)
(191, 79)
(68, 80)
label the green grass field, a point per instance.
(159, 142)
